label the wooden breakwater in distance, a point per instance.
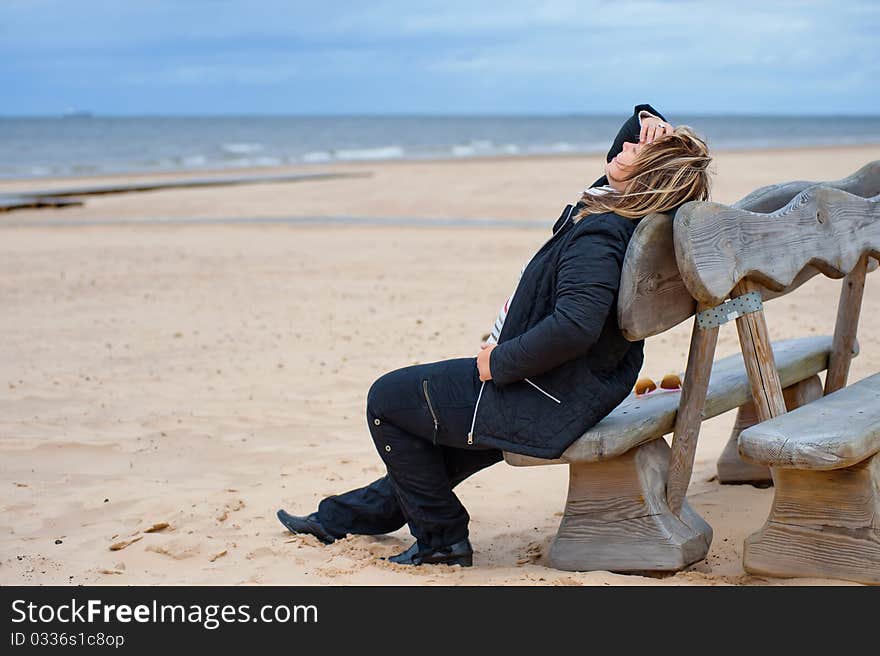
(9, 202)
(67, 196)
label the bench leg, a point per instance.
(616, 517)
(823, 524)
(732, 469)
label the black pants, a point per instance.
(425, 459)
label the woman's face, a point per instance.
(617, 168)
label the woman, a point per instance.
(554, 365)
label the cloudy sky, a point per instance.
(453, 56)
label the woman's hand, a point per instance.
(653, 128)
(483, 361)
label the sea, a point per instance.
(84, 144)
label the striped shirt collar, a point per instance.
(599, 191)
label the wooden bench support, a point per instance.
(823, 524)
(732, 469)
(690, 413)
(848, 309)
(823, 455)
(825, 517)
(616, 517)
(757, 350)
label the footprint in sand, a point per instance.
(263, 552)
(566, 580)
(533, 553)
(233, 506)
(176, 549)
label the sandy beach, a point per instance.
(166, 386)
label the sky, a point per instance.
(180, 57)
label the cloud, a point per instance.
(459, 56)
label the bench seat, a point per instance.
(825, 459)
(641, 419)
(835, 431)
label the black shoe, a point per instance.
(460, 553)
(309, 525)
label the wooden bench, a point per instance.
(828, 524)
(825, 519)
(626, 508)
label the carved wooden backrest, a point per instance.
(726, 251)
(653, 297)
(716, 246)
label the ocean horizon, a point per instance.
(80, 143)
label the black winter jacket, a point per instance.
(562, 363)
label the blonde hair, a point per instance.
(667, 172)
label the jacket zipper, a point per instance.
(567, 217)
(470, 435)
(542, 391)
(431, 408)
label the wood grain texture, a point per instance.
(823, 524)
(641, 419)
(653, 296)
(689, 417)
(754, 340)
(716, 246)
(849, 307)
(732, 469)
(865, 183)
(616, 518)
(835, 431)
